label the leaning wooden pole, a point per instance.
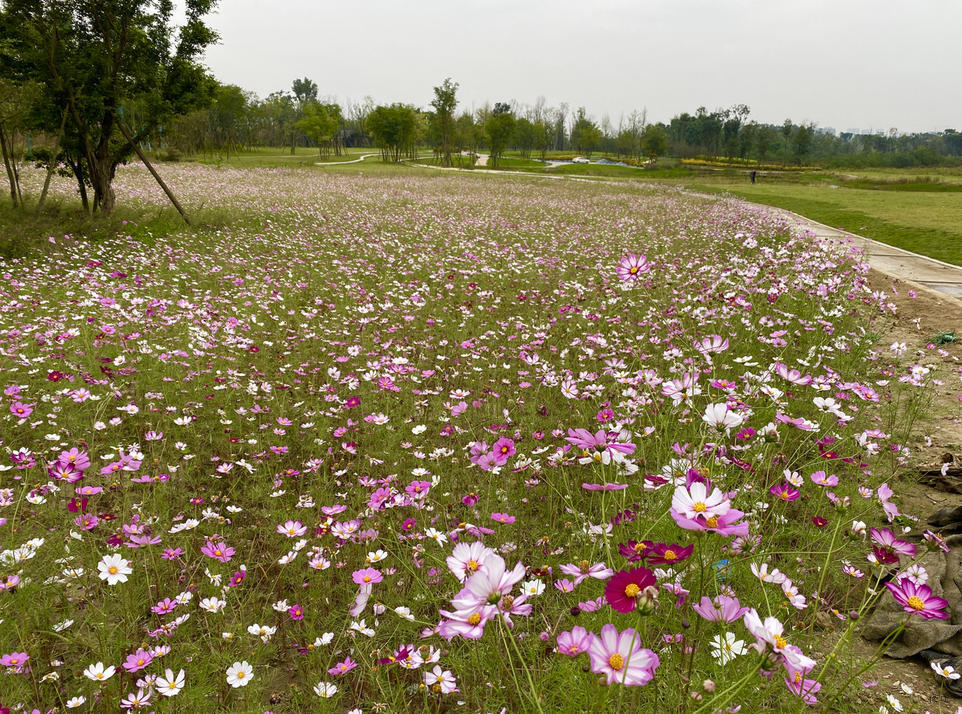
(153, 172)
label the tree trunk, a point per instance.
(101, 176)
(52, 165)
(81, 186)
(10, 174)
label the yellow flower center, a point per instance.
(639, 547)
(140, 662)
(584, 566)
(713, 522)
(616, 662)
(112, 570)
(916, 603)
(474, 619)
(240, 675)
(670, 555)
(780, 642)
(699, 507)
(218, 552)
(367, 578)
(632, 590)
(472, 565)
(574, 649)
(634, 269)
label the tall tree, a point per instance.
(499, 126)
(95, 58)
(585, 134)
(394, 129)
(445, 102)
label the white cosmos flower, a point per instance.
(325, 690)
(170, 685)
(725, 648)
(239, 674)
(98, 673)
(114, 569)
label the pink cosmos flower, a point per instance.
(918, 599)
(292, 529)
(503, 450)
(488, 585)
(468, 623)
(468, 558)
(631, 267)
(218, 550)
(342, 668)
(722, 609)
(620, 657)
(76, 458)
(367, 576)
(21, 410)
(727, 524)
(784, 492)
(296, 612)
(574, 642)
(584, 569)
(15, 660)
(138, 661)
(801, 687)
(418, 489)
(821, 479)
(604, 486)
(502, 518)
(770, 632)
(887, 539)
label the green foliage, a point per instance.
(321, 123)
(394, 128)
(654, 141)
(94, 60)
(499, 127)
(585, 134)
(445, 102)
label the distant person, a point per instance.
(753, 174)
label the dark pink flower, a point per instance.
(623, 590)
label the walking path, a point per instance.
(338, 163)
(929, 273)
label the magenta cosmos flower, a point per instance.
(218, 550)
(503, 450)
(621, 658)
(632, 266)
(502, 518)
(623, 589)
(918, 599)
(785, 492)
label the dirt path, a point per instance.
(338, 163)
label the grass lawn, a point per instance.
(926, 222)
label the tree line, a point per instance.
(97, 84)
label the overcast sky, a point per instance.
(862, 64)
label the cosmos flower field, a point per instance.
(448, 443)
